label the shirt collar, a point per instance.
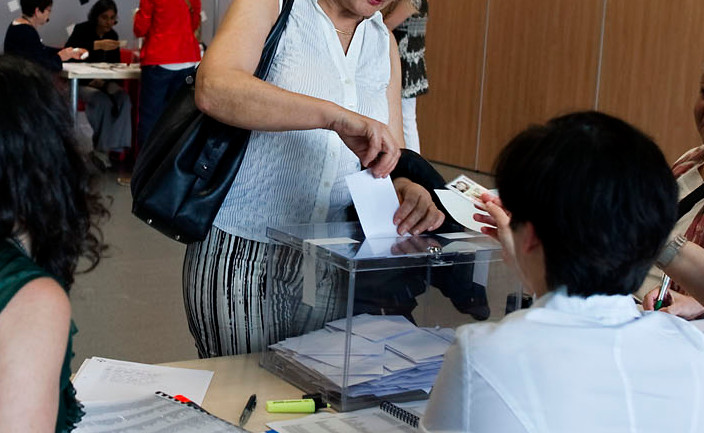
(602, 309)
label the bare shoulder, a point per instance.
(41, 308)
(34, 330)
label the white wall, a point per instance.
(68, 12)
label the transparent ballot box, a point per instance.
(363, 320)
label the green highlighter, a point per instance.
(303, 405)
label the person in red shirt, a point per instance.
(170, 52)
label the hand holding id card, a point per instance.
(459, 199)
(467, 188)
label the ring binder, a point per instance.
(400, 413)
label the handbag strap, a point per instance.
(688, 202)
(190, 6)
(272, 41)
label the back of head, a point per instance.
(45, 188)
(29, 6)
(600, 195)
(99, 8)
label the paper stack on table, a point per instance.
(388, 354)
(102, 379)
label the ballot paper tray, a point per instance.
(363, 320)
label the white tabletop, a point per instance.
(105, 71)
(235, 379)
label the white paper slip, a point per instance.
(460, 209)
(458, 235)
(376, 202)
(418, 345)
(102, 379)
(375, 328)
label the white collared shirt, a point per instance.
(570, 365)
(297, 177)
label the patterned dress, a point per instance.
(410, 36)
(16, 270)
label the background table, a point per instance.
(94, 71)
(235, 379)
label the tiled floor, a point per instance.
(131, 306)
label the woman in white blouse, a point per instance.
(584, 220)
(329, 106)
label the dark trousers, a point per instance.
(157, 87)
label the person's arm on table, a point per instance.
(34, 329)
(227, 90)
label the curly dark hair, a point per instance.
(46, 190)
(99, 8)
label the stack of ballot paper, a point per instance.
(388, 355)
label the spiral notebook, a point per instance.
(387, 418)
(156, 413)
(400, 413)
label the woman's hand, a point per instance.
(417, 212)
(106, 44)
(370, 140)
(498, 227)
(674, 303)
(72, 53)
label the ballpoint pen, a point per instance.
(663, 291)
(248, 409)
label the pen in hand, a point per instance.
(663, 291)
(248, 409)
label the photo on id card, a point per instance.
(467, 188)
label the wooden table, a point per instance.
(235, 379)
(94, 71)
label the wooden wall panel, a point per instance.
(542, 61)
(653, 54)
(447, 115)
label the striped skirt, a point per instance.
(228, 308)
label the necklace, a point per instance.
(342, 32)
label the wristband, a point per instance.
(670, 251)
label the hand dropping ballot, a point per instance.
(460, 198)
(376, 202)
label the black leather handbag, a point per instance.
(187, 165)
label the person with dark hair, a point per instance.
(108, 106)
(582, 222)
(48, 220)
(22, 38)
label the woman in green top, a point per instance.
(48, 216)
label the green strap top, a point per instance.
(16, 270)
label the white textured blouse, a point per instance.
(572, 365)
(297, 177)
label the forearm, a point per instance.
(239, 99)
(687, 269)
(399, 14)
